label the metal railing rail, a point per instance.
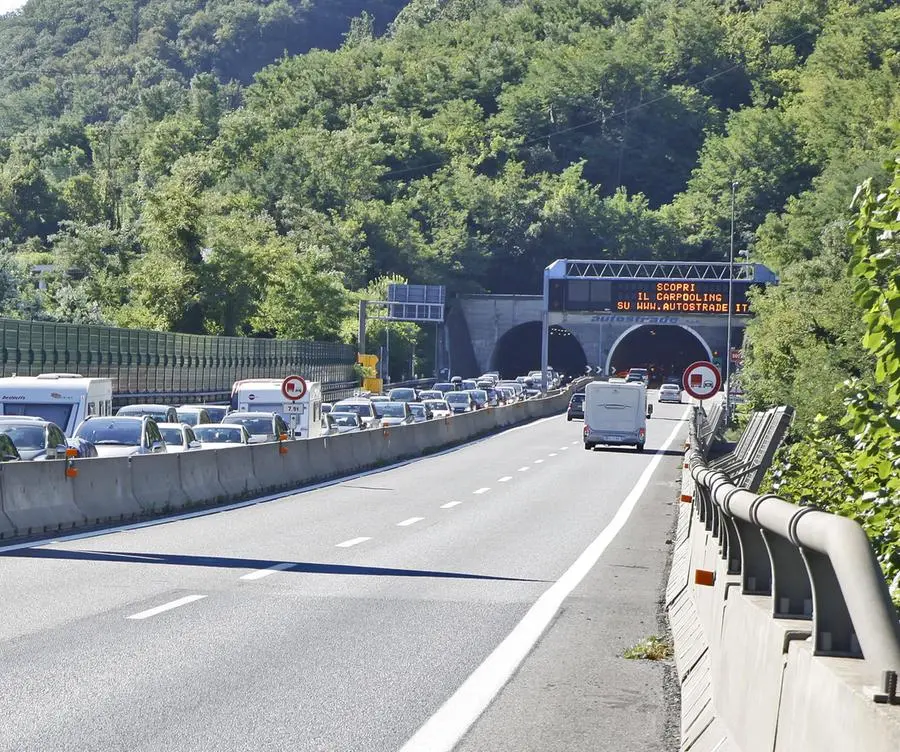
(754, 452)
(811, 564)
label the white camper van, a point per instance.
(62, 398)
(615, 413)
(264, 396)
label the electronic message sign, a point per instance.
(665, 296)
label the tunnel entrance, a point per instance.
(664, 350)
(519, 351)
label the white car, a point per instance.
(220, 435)
(670, 393)
(362, 406)
(179, 437)
(121, 435)
(340, 422)
(439, 408)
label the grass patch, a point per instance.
(651, 649)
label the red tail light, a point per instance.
(587, 429)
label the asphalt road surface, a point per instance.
(477, 600)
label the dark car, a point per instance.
(576, 407)
(445, 386)
(479, 397)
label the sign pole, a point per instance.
(730, 304)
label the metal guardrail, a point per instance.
(812, 564)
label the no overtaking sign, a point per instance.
(293, 388)
(701, 380)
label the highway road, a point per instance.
(383, 612)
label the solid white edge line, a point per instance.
(410, 521)
(262, 499)
(353, 542)
(455, 717)
(166, 607)
(481, 490)
(260, 573)
(450, 504)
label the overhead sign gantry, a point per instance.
(660, 288)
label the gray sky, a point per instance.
(7, 5)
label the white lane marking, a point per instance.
(454, 718)
(450, 504)
(504, 479)
(574, 442)
(538, 462)
(166, 607)
(552, 454)
(410, 521)
(481, 490)
(523, 469)
(260, 573)
(563, 448)
(269, 497)
(352, 542)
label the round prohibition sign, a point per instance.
(701, 379)
(293, 388)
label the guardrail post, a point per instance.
(756, 567)
(833, 632)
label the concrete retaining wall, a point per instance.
(750, 682)
(37, 497)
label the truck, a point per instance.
(65, 399)
(615, 414)
(304, 415)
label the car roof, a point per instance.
(250, 414)
(221, 425)
(155, 406)
(21, 418)
(173, 425)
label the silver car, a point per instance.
(394, 413)
(35, 438)
(122, 435)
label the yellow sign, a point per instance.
(372, 385)
(367, 360)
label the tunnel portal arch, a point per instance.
(518, 351)
(666, 350)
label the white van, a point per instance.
(615, 413)
(62, 398)
(264, 396)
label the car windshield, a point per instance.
(577, 399)
(362, 409)
(457, 398)
(158, 415)
(191, 417)
(402, 395)
(172, 436)
(253, 425)
(437, 405)
(430, 394)
(344, 419)
(417, 410)
(479, 395)
(444, 386)
(25, 437)
(125, 432)
(390, 410)
(212, 434)
(216, 414)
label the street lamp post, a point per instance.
(734, 186)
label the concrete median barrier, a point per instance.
(36, 497)
(199, 473)
(235, 469)
(103, 491)
(156, 483)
